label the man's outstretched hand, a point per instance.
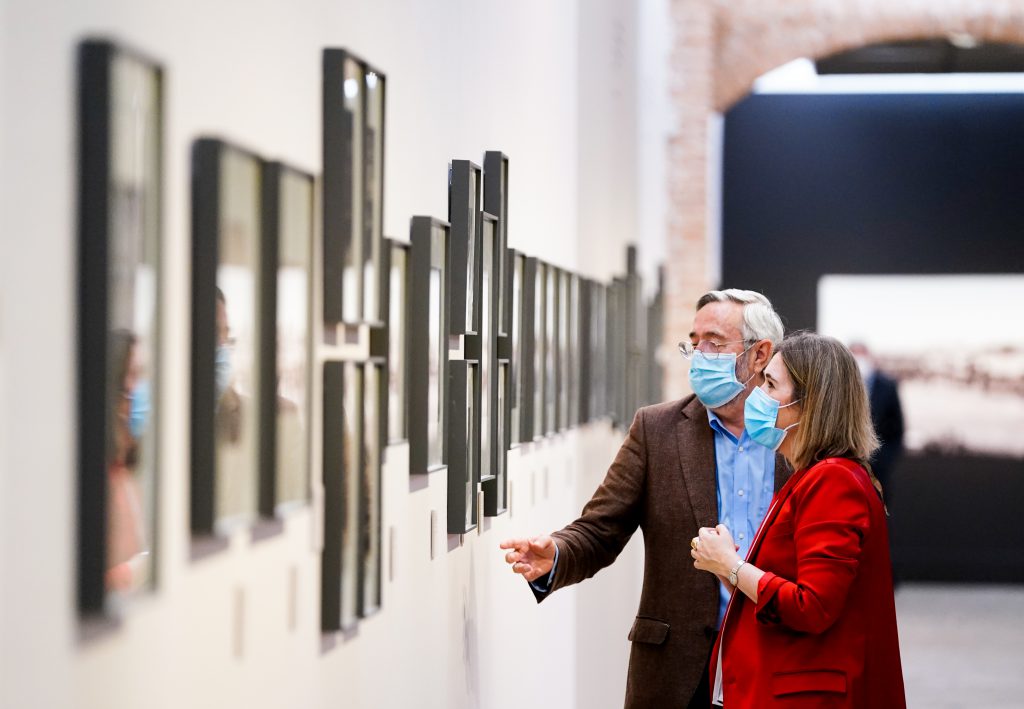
(533, 558)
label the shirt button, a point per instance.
(742, 535)
(740, 493)
(741, 449)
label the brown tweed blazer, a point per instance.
(663, 480)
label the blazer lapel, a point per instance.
(696, 443)
(773, 512)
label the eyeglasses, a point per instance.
(709, 348)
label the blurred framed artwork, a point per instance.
(524, 276)
(464, 458)
(370, 530)
(495, 202)
(226, 353)
(342, 560)
(287, 319)
(397, 291)
(961, 396)
(464, 186)
(428, 344)
(552, 377)
(353, 189)
(540, 349)
(584, 302)
(488, 412)
(120, 185)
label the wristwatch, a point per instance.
(733, 578)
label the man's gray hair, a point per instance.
(760, 321)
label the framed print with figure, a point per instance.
(286, 337)
(226, 353)
(120, 223)
(428, 344)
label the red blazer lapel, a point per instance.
(773, 511)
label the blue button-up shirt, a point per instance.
(746, 483)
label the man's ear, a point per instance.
(762, 355)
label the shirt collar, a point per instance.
(718, 427)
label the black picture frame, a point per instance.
(375, 393)
(616, 323)
(286, 372)
(396, 288)
(428, 344)
(465, 180)
(565, 353)
(226, 353)
(552, 353)
(585, 301)
(463, 433)
(495, 202)
(120, 106)
(354, 101)
(490, 312)
(342, 571)
(524, 374)
(540, 350)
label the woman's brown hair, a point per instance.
(835, 418)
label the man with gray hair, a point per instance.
(684, 465)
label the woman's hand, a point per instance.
(714, 550)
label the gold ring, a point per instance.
(694, 542)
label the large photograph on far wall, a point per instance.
(948, 341)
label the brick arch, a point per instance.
(751, 37)
(720, 48)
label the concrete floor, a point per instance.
(962, 646)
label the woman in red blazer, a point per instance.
(814, 623)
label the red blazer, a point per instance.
(823, 630)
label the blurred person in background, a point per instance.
(814, 619)
(886, 415)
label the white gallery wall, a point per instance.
(554, 86)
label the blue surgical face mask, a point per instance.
(759, 416)
(139, 412)
(714, 380)
(222, 370)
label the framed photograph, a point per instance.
(397, 293)
(428, 344)
(370, 530)
(523, 376)
(565, 354)
(617, 351)
(496, 488)
(583, 301)
(286, 340)
(540, 349)
(120, 187)
(655, 327)
(464, 187)
(489, 314)
(496, 204)
(464, 460)
(599, 351)
(353, 188)
(226, 337)
(552, 354)
(342, 562)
